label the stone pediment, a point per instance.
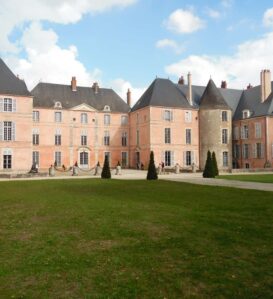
(83, 107)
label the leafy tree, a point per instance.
(106, 173)
(152, 174)
(215, 165)
(209, 171)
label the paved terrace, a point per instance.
(192, 178)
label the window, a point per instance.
(58, 158)
(58, 137)
(124, 120)
(236, 151)
(83, 140)
(224, 115)
(106, 138)
(124, 139)
(35, 158)
(106, 108)
(188, 116)
(245, 152)
(168, 158)
(236, 133)
(246, 114)
(244, 132)
(188, 158)
(107, 119)
(259, 153)
(258, 130)
(58, 105)
(35, 137)
(137, 118)
(84, 159)
(225, 159)
(137, 137)
(188, 136)
(224, 136)
(8, 131)
(107, 154)
(168, 115)
(84, 118)
(58, 117)
(36, 116)
(124, 159)
(7, 105)
(167, 135)
(7, 161)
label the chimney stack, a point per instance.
(181, 80)
(129, 97)
(265, 84)
(189, 89)
(249, 86)
(95, 87)
(74, 84)
(224, 84)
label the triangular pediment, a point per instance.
(83, 107)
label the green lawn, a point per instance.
(134, 239)
(260, 178)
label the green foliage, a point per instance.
(209, 171)
(152, 174)
(106, 173)
(214, 164)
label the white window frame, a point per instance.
(107, 119)
(168, 115)
(167, 135)
(36, 116)
(258, 130)
(58, 158)
(58, 116)
(225, 159)
(188, 116)
(188, 136)
(224, 136)
(124, 120)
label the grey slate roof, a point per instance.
(212, 98)
(10, 84)
(46, 94)
(163, 93)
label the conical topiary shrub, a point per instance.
(214, 164)
(152, 174)
(106, 173)
(208, 171)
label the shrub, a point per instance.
(106, 173)
(214, 164)
(152, 174)
(209, 171)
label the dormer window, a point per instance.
(58, 105)
(106, 108)
(246, 114)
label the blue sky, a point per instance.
(127, 43)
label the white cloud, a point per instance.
(169, 43)
(268, 18)
(121, 87)
(227, 3)
(239, 69)
(214, 14)
(14, 13)
(184, 21)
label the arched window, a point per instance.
(106, 108)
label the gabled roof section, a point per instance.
(10, 84)
(46, 94)
(212, 98)
(162, 93)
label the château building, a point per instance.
(67, 124)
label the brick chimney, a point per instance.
(181, 80)
(189, 95)
(74, 84)
(249, 86)
(265, 84)
(224, 84)
(129, 97)
(95, 87)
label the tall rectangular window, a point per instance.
(245, 151)
(9, 131)
(107, 119)
(168, 116)
(35, 158)
(84, 159)
(244, 132)
(225, 159)
(137, 137)
(224, 136)
(36, 116)
(84, 118)
(124, 120)
(58, 117)
(108, 154)
(58, 139)
(124, 139)
(124, 159)
(236, 151)
(258, 130)
(58, 158)
(7, 105)
(35, 139)
(106, 138)
(188, 116)
(168, 158)
(83, 140)
(188, 136)
(7, 161)
(188, 158)
(236, 133)
(167, 135)
(224, 116)
(259, 150)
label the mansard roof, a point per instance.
(10, 84)
(162, 93)
(212, 98)
(47, 94)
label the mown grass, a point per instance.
(259, 178)
(134, 239)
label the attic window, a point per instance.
(58, 105)
(106, 108)
(246, 114)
